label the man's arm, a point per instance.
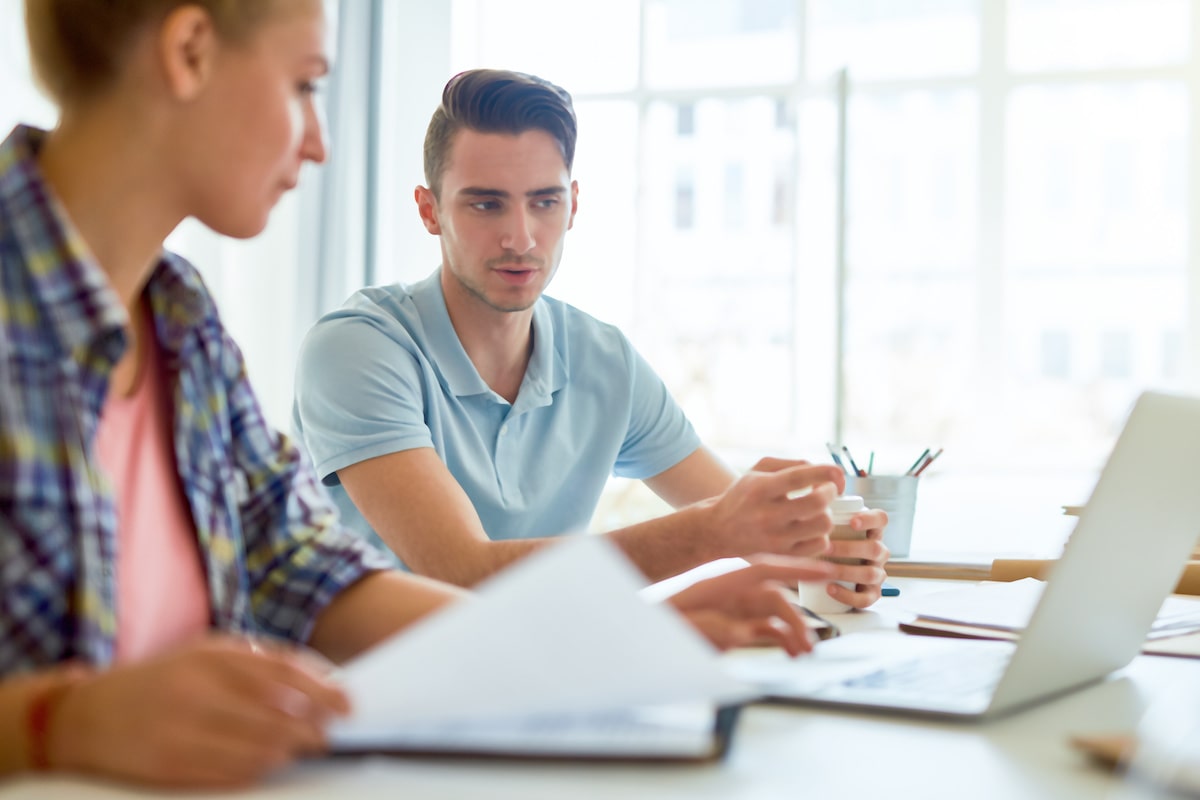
(699, 476)
(413, 502)
(417, 507)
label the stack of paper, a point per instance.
(556, 656)
(1002, 610)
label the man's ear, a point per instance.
(187, 50)
(427, 208)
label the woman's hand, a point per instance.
(218, 713)
(752, 605)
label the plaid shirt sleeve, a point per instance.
(298, 557)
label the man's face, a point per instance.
(506, 204)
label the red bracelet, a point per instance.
(41, 714)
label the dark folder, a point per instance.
(666, 735)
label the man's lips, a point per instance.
(517, 276)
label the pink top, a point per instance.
(162, 590)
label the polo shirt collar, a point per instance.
(545, 374)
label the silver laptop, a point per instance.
(1124, 557)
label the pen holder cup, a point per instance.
(895, 494)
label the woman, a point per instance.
(151, 524)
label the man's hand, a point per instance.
(778, 507)
(751, 605)
(218, 713)
(867, 576)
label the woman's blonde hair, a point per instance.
(77, 46)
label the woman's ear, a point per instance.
(187, 47)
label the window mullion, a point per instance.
(994, 85)
(1191, 372)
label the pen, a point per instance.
(823, 627)
(917, 463)
(836, 460)
(871, 463)
(928, 462)
(853, 466)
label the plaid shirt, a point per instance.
(270, 543)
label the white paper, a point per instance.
(656, 592)
(563, 631)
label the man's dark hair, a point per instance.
(497, 101)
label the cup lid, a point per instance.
(847, 504)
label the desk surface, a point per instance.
(784, 752)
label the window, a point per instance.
(1020, 183)
(1056, 355)
(1097, 34)
(735, 196)
(22, 101)
(1172, 347)
(685, 202)
(686, 125)
(1116, 355)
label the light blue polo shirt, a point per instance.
(386, 372)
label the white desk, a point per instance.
(781, 752)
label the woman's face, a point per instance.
(256, 123)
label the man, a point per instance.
(467, 418)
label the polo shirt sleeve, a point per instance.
(659, 434)
(359, 391)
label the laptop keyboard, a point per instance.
(946, 675)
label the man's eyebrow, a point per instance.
(480, 191)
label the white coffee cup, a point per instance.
(815, 596)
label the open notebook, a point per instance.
(1002, 610)
(556, 657)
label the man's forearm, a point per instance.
(417, 507)
(466, 566)
(670, 544)
(659, 547)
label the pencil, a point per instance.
(928, 462)
(917, 463)
(836, 460)
(853, 466)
